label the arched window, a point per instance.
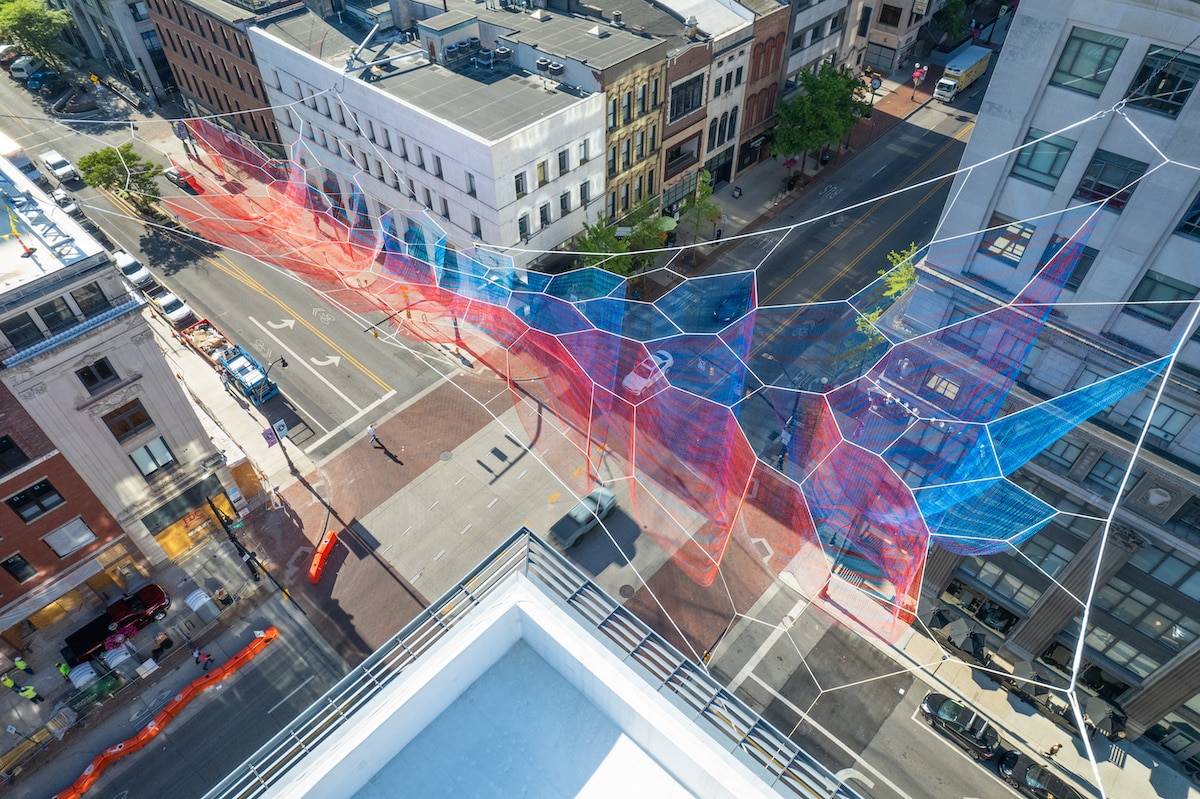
(769, 52)
(777, 55)
(722, 129)
(733, 122)
(712, 133)
(751, 107)
(756, 61)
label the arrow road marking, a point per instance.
(335, 360)
(317, 374)
(286, 323)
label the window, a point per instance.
(737, 78)
(625, 161)
(654, 93)
(428, 197)
(564, 203)
(437, 166)
(444, 207)
(1082, 267)
(1110, 177)
(1045, 161)
(130, 418)
(585, 192)
(56, 315)
(519, 184)
(523, 226)
(612, 161)
(641, 99)
(1167, 423)
(1165, 80)
(35, 500)
(154, 456)
(733, 115)
(544, 214)
(1106, 476)
(1162, 299)
(729, 82)
(476, 227)
(97, 376)
(1007, 239)
(21, 331)
(470, 184)
(584, 153)
(11, 456)
(1062, 454)
(687, 97)
(71, 537)
(1087, 61)
(564, 162)
(717, 86)
(941, 385)
(18, 568)
(612, 204)
(712, 133)
(138, 11)
(1190, 224)
(625, 198)
(612, 114)
(640, 149)
(543, 168)
(889, 16)
(627, 107)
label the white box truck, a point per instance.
(963, 70)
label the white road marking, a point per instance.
(291, 694)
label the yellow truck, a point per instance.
(963, 70)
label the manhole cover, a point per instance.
(626, 591)
(446, 455)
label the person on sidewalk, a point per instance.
(7, 681)
(371, 437)
(64, 670)
(20, 663)
(203, 658)
(1052, 751)
(30, 693)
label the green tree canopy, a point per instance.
(35, 26)
(608, 251)
(121, 169)
(825, 109)
(699, 206)
(953, 19)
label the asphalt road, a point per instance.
(339, 377)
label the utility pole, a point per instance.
(257, 570)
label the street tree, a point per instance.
(621, 255)
(826, 108)
(952, 18)
(122, 170)
(699, 206)
(898, 279)
(35, 26)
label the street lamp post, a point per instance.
(266, 383)
(252, 563)
(918, 76)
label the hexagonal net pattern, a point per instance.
(836, 439)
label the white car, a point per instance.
(648, 371)
(180, 177)
(131, 268)
(59, 166)
(66, 202)
(174, 309)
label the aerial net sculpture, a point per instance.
(838, 439)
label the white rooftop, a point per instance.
(527, 680)
(714, 17)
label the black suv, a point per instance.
(1034, 779)
(962, 725)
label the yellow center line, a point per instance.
(878, 239)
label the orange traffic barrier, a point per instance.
(322, 555)
(130, 745)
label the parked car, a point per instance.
(53, 88)
(145, 605)
(39, 79)
(647, 372)
(9, 53)
(1033, 779)
(132, 269)
(66, 202)
(961, 724)
(591, 510)
(175, 310)
(26, 65)
(59, 166)
(180, 177)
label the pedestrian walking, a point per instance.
(371, 434)
(1052, 751)
(22, 665)
(205, 660)
(30, 693)
(7, 681)
(64, 670)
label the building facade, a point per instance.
(122, 35)
(208, 52)
(1136, 288)
(108, 470)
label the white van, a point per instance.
(25, 66)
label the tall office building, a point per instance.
(1090, 108)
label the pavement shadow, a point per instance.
(172, 252)
(615, 543)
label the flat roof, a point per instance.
(477, 99)
(559, 34)
(526, 679)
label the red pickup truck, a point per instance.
(145, 605)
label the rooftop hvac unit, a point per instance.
(474, 43)
(503, 54)
(555, 69)
(618, 19)
(543, 65)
